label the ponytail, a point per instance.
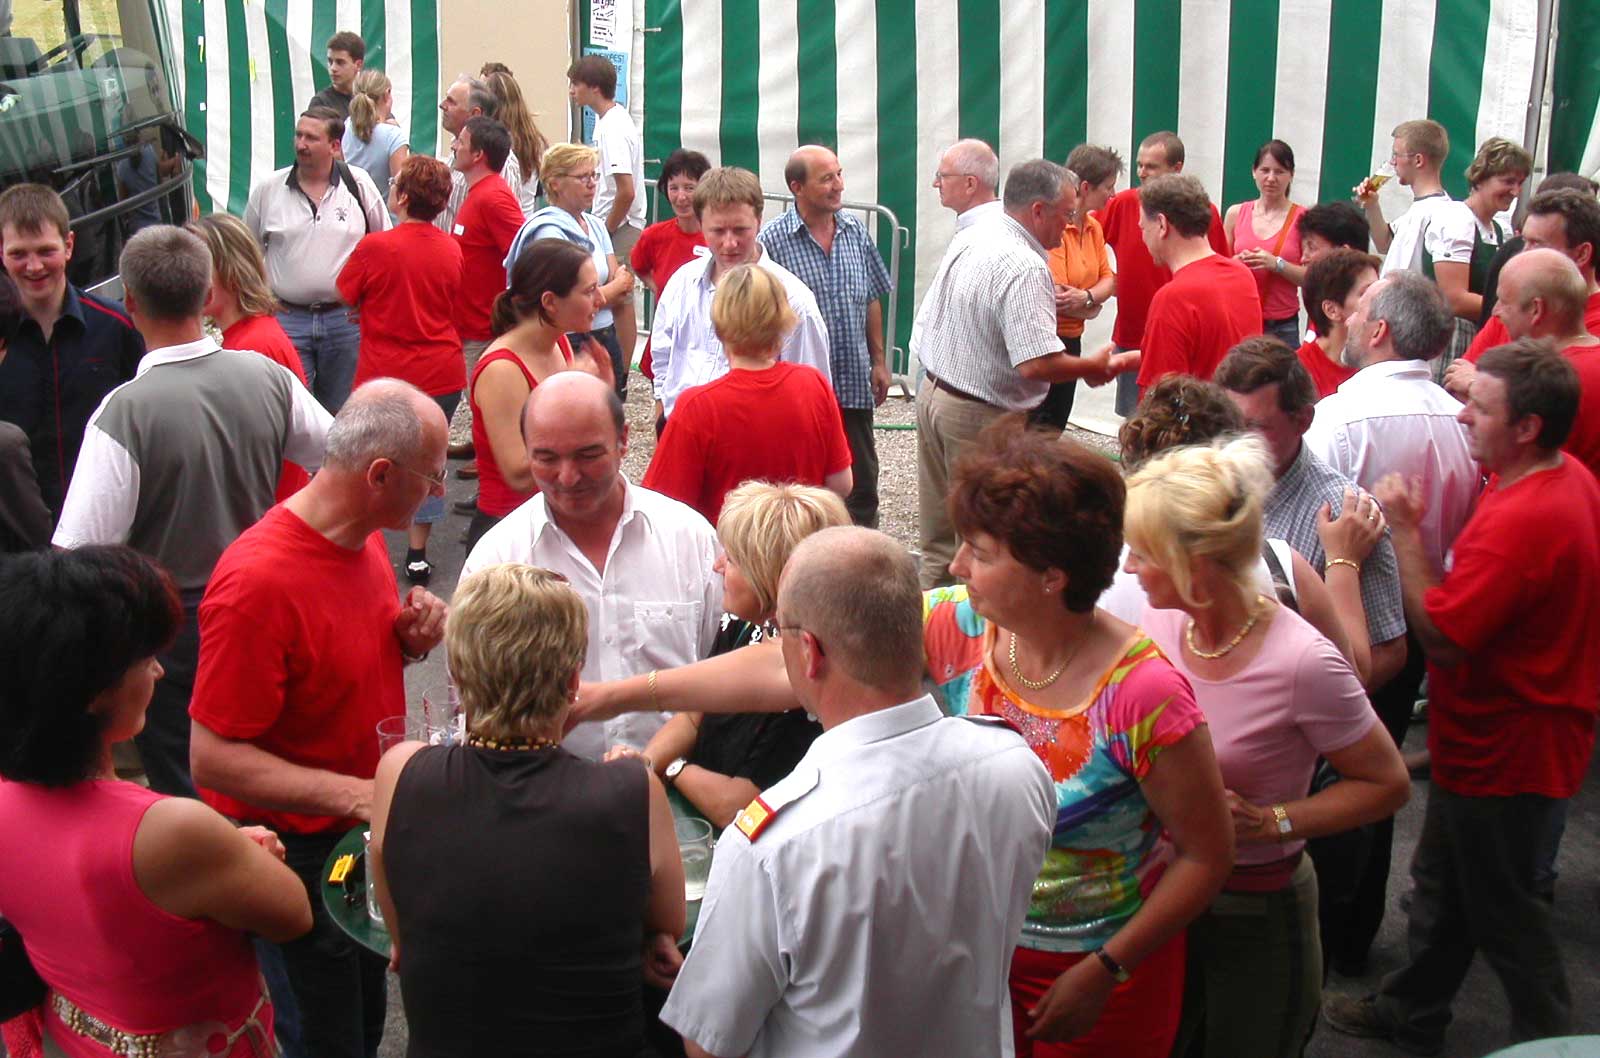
(503, 314)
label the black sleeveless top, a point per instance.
(520, 881)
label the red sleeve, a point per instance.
(505, 220)
(1493, 333)
(1218, 237)
(1165, 340)
(353, 276)
(836, 447)
(1481, 594)
(643, 259)
(243, 670)
(676, 469)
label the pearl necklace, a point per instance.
(1255, 615)
(1048, 680)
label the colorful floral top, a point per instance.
(1107, 853)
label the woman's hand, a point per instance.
(1252, 825)
(662, 960)
(267, 839)
(623, 752)
(1258, 259)
(1356, 531)
(1072, 1005)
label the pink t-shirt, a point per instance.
(1298, 698)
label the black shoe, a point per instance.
(460, 450)
(1361, 1017)
(419, 571)
(467, 506)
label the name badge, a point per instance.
(459, 229)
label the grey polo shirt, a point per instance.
(306, 242)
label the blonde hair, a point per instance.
(750, 310)
(728, 186)
(1425, 137)
(527, 142)
(1498, 155)
(370, 88)
(564, 159)
(516, 636)
(237, 260)
(762, 523)
(1206, 501)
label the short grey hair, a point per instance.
(1419, 318)
(1036, 180)
(856, 590)
(481, 97)
(379, 421)
(976, 159)
(168, 272)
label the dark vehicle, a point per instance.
(87, 106)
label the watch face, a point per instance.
(675, 767)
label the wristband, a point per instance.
(1352, 563)
(1113, 967)
(651, 680)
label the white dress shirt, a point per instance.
(1390, 417)
(877, 911)
(656, 605)
(307, 245)
(968, 217)
(684, 348)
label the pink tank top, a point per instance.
(495, 497)
(95, 937)
(1280, 299)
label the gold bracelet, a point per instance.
(651, 680)
(1352, 563)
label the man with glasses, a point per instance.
(644, 564)
(303, 641)
(968, 182)
(1435, 235)
(182, 459)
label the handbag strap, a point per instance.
(1283, 232)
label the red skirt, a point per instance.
(1140, 1020)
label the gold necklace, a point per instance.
(1048, 680)
(1255, 615)
(518, 743)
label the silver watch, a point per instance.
(670, 776)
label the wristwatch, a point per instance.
(1089, 296)
(670, 776)
(1285, 828)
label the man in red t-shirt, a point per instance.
(1564, 220)
(1513, 687)
(488, 220)
(1543, 295)
(302, 641)
(1138, 276)
(1212, 302)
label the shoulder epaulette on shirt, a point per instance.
(765, 808)
(989, 720)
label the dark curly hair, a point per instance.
(73, 624)
(1054, 503)
(1178, 410)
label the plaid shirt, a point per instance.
(1292, 513)
(845, 282)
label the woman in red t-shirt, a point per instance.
(405, 283)
(764, 419)
(667, 246)
(1333, 287)
(242, 307)
(555, 290)
(1265, 234)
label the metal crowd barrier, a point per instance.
(899, 358)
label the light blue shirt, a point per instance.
(373, 156)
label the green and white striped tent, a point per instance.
(248, 67)
(890, 83)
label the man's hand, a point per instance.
(1364, 193)
(1097, 367)
(662, 960)
(1072, 1005)
(420, 623)
(267, 839)
(1356, 531)
(1403, 502)
(880, 382)
(1458, 378)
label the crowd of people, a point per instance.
(1156, 710)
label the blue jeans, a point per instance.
(432, 509)
(329, 344)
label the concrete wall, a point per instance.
(534, 39)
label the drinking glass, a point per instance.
(694, 846)
(441, 712)
(393, 730)
(374, 911)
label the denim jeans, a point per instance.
(432, 509)
(329, 344)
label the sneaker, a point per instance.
(419, 571)
(1361, 1017)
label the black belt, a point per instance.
(315, 306)
(939, 383)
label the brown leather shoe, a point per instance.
(467, 471)
(462, 450)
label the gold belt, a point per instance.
(190, 1041)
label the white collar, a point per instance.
(873, 727)
(172, 354)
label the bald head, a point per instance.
(814, 176)
(385, 419)
(1545, 295)
(969, 175)
(570, 397)
(856, 591)
(576, 436)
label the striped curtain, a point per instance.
(248, 67)
(892, 82)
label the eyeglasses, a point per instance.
(436, 480)
(585, 178)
